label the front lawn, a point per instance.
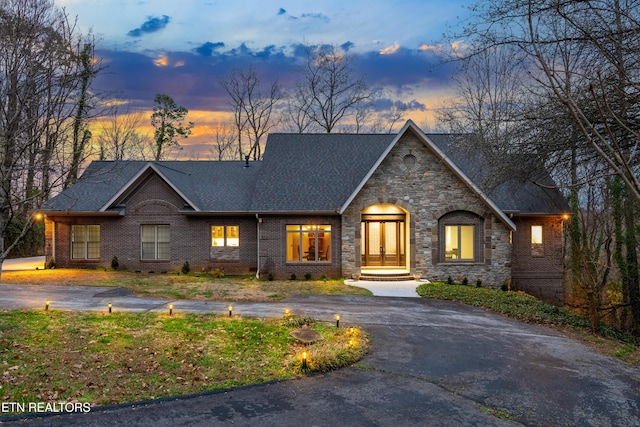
(186, 286)
(55, 356)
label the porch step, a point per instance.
(388, 277)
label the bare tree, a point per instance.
(81, 134)
(330, 91)
(583, 65)
(253, 107)
(120, 138)
(42, 76)
(224, 139)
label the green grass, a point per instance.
(51, 356)
(518, 305)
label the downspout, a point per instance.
(258, 221)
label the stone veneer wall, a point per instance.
(427, 189)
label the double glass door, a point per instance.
(383, 242)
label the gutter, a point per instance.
(258, 222)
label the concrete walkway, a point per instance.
(435, 363)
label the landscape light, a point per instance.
(110, 306)
(350, 343)
(287, 313)
(170, 309)
(304, 360)
(337, 320)
(46, 305)
(230, 311)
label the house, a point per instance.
(339, 205)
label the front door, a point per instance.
(382, 242)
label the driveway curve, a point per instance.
(434, 363)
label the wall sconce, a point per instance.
(337, 320)
(110, 307)
(230, 311)
(170, 309)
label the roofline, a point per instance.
(136, 177)
(373, 169)
(81, 213)
(410, 125)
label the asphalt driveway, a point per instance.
(431, 363)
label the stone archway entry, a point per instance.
(383, 234)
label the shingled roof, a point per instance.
(312, 173)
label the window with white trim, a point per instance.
(155, 241)
(85, 242)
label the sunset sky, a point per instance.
(182, 48)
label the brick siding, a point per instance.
(541, 276)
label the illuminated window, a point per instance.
(85, 242)
(308, 243)
(155, 241)
(225, 235)
(460, 236)
(459, 242)
(537, 243)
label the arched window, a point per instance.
(461, 234)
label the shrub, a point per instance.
(114, 263)
(293, 276)
(307, 276)
(449, 280)
(51, 264)
(479, 283)
(270, 277)
(186, 268)
(217, 273)
(465, 281)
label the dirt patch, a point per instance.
(180, 286)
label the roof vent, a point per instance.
(246, 160)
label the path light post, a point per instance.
(337, 320)
(230, 311)
(46, 305)
(170, 309)
(110, 307)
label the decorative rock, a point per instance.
(306, 335)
